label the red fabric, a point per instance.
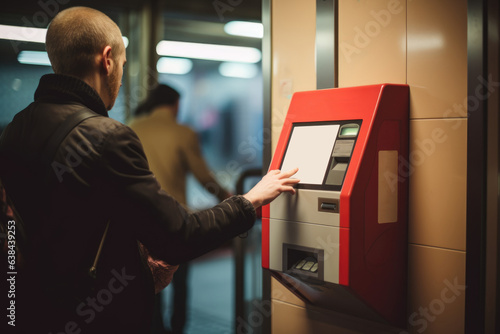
(162, 271)
(7, 210)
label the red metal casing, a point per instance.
(372, 256)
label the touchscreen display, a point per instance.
(310, 148)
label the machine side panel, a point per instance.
(378, 250)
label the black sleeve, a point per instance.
(159, 222)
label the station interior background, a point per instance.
(439, 48)
(225, 111)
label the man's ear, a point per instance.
(106, 60)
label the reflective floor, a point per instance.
(210, 295)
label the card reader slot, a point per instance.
(328, 205)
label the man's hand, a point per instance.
(272, 184)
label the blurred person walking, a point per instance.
(172, 151)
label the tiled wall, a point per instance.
(422, 43)
(293, 56)
(437, 75)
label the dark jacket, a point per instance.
(99, 173)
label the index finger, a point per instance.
(289, 173)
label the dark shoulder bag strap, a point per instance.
(50, 151)
(62, 131)
(48, 154)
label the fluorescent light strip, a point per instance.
(245, 29)
(174, 65)
(238, 70)
(209, 51)
(33, 58)
(36, 57)
(24, 34)
(27, 34)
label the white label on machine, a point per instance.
(310, 148)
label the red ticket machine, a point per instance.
(341, 241)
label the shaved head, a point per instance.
(76, 36)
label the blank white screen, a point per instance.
(310, 148)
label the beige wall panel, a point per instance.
(279, 292)
(292, 319)
(372, 42)
(438, 177)
(293, 55)
(437, 58)
(436, 290)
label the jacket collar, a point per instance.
(59, 88)
(165, 113)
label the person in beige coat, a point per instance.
(173, 151)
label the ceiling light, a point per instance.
(246, 29)
(28, 34)
(33, 58)
(25, 34)
(238, 70)
(209, 51)
(174, 65)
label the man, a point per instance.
(172, 151)
(99, 174)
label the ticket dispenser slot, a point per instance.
(303, 262)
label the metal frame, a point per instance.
(482, 171)
(326, 44)
(492, 274)
(267, 150)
